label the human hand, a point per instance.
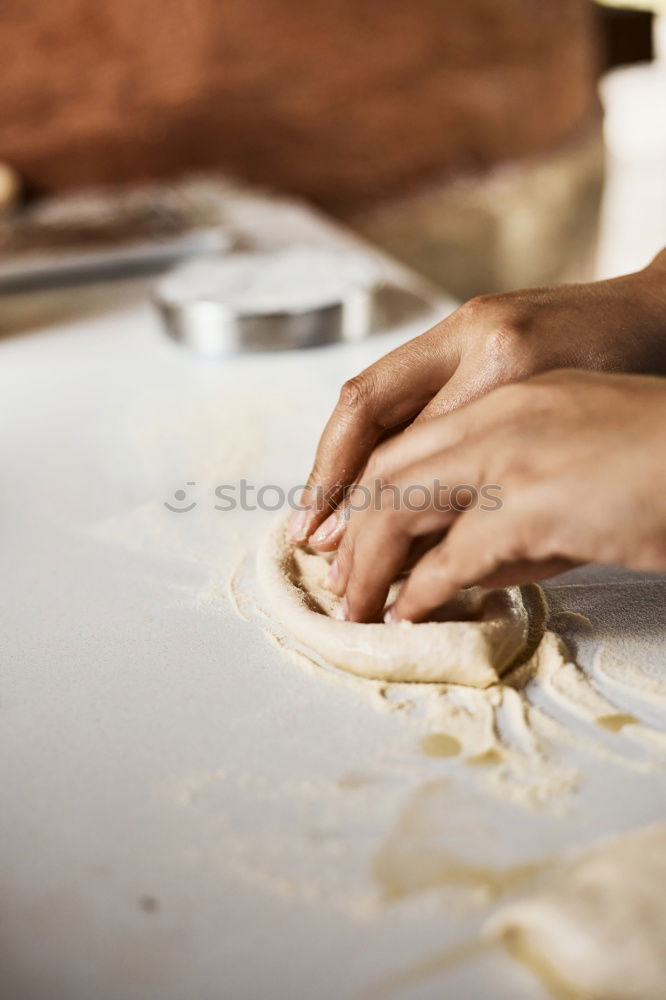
(614, 326)
(579, 458)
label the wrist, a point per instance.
(653, 280)
(646, 295)
(659, 262)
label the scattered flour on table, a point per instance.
(511, 733)
(599, 930)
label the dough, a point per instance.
(600, 932)
(491, 627)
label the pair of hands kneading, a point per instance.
(519, 437)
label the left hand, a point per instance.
(579, 460)
(608, 326)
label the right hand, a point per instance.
(578, 459)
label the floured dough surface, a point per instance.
(600, 933)
(491, 629)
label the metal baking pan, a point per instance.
(287, 299)
(215, 329)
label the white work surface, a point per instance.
(185, 812)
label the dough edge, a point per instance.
(462, 652)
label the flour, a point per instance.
(600, 930)
(626, 677)
(509, 733)
(567, 686)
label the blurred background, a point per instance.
(465, 138)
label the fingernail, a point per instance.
(325, 530)
(298, 525)
(345, 609)
(333, 574)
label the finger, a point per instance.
(463, 388)
(482, 547)
(412, 510)
(337, 577)
(383, 548)
(410, 445)
(338, 574)
(456, 562)
(384, 396)
(384, 464)
(365, 500)
(389, 559)
(423, 599)
(423, 439)
(413, 501)
(328, 535)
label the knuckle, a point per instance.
(356, 393)
(543, 541)
(546, 395)
(503, 328)
(480, 307)
(522, 471)
(514, 549)
(521, 475)
(506, 346)
(520, 536)
(533, 396)
(537, 535)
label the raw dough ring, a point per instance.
(476, 650)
